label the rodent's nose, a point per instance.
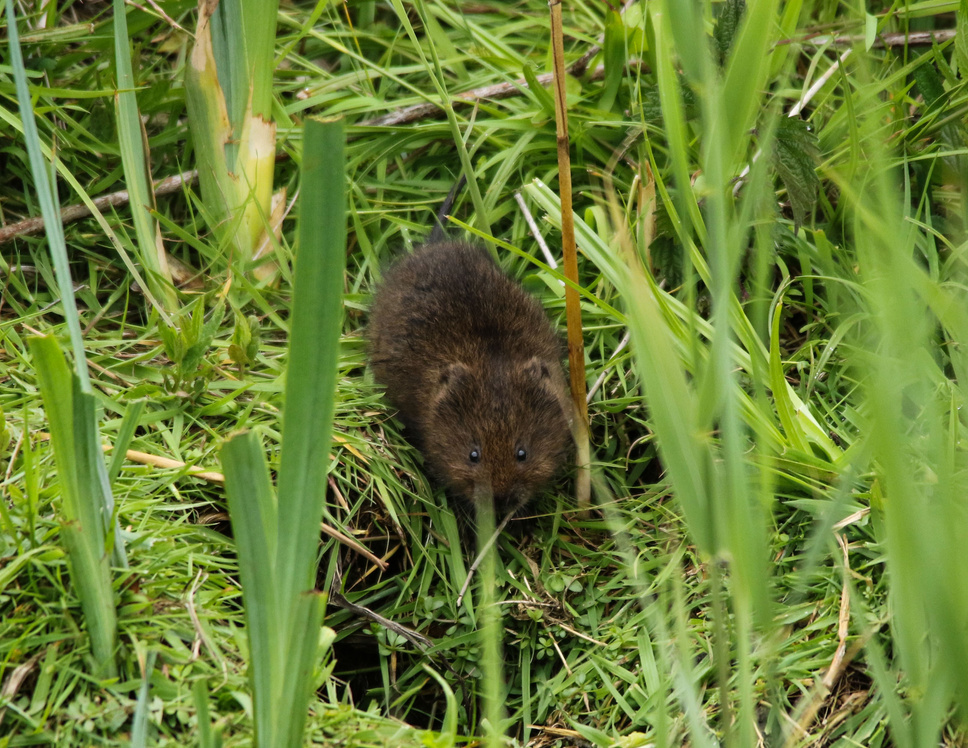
(509, 496)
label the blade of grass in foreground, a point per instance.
(70, 414)
(88, 505)
(277, 538)
(915, 428)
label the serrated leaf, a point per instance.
(929, 82)
(729, 19)
(245, 340)
(199, 334)
(794, 155)
(961, 38)
(174, 343)
(210, 328)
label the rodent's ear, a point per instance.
(537, 369)
(452, 373)
(449, 382)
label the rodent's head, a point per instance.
(503, 431)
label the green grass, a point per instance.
(741, 550)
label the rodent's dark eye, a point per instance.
(475, 455)
(521, 454)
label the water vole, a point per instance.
(474, 367)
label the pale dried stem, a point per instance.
(812, 701)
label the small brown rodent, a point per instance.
(474, 367)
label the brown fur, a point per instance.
(472, 363)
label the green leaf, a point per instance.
(317, 315)
(539, 92)
(929, 82)
(296, 676)
(870, 31)
(613, 53)
(778, 384)
(673, 105)
(82, 477)
(278, 539)
(134, 156)
(447, 737)
(208, 119)
(208, 735)
(46, 196)
(744, 83)
(726, 26)
(252, 509)
(961, 38)
(245, 340)
(139, 727)
(795, 154)
(131, 421)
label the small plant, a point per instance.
(186, 344)
(245, 341)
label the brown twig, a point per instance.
(336, 598)
(494, 92)
(12, 684)
(143, 458)
(35, 225)
(353, 545)
(910, 39)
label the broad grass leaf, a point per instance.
(70, 412)
(614, 58)
(539, 92)
(795, 154)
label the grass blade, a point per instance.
(134, 156)
(87, 500)
(253, 513)
(46, 198)
(139, 729)
(277, 540)
(311, 378)
(77, 451)
(129, 424)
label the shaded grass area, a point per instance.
(609, 621)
